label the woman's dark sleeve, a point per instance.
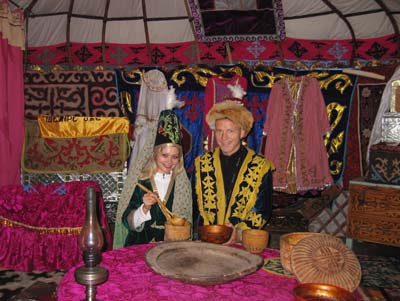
(135, 202)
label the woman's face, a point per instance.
(167, 159)
(228, 136)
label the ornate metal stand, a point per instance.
(91, 242)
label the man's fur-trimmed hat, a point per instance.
(232, 110)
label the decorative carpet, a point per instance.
(33, 286)
(369, 100)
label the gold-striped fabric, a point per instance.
(78, 126)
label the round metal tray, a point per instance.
(201, 263)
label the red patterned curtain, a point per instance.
(12, 39)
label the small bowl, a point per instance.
(177, 232)
(177, 221)
(321, 292)
(217, 234)
(255, 240)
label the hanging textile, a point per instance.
(190, 83)
(256, 102)
(143, 107)
(75, 126)
(295, 127)
(80, 154)
(12, 41)
(384, 107)
(70, 93)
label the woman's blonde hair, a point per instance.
(151, 167)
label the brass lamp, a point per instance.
(91, 242)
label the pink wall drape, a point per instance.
(11, 94)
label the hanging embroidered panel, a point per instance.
(70, 93)
(96, 154)
(238, 20)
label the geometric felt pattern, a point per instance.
(290, 49)
(71, 93)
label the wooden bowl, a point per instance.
(176, 232)
(177, 221)
(217, 234)
(321, 292)
(255, 241)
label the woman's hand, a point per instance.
(149, 199)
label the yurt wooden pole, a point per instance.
(196, 41)
(228, 52)
(68, 32)
(364, 74)
(103, 33)
(146, 31)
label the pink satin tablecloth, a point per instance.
(130, 278)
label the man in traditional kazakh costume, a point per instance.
(232, 184)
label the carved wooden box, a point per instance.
(374, 212)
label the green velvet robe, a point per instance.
(154, 229)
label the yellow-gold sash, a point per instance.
(78, 126)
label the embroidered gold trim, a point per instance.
(155, 226)
(211, 201)
(41, 230)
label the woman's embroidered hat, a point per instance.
(168, 129)
(232, 110)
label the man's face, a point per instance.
(228, 135)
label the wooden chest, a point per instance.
(374, 212)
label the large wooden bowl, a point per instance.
(321, 292)
(217, 234)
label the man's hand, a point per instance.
(232, 239)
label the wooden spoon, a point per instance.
(171, 218)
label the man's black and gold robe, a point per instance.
(250, 202)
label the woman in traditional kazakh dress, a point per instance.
(143, 218)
